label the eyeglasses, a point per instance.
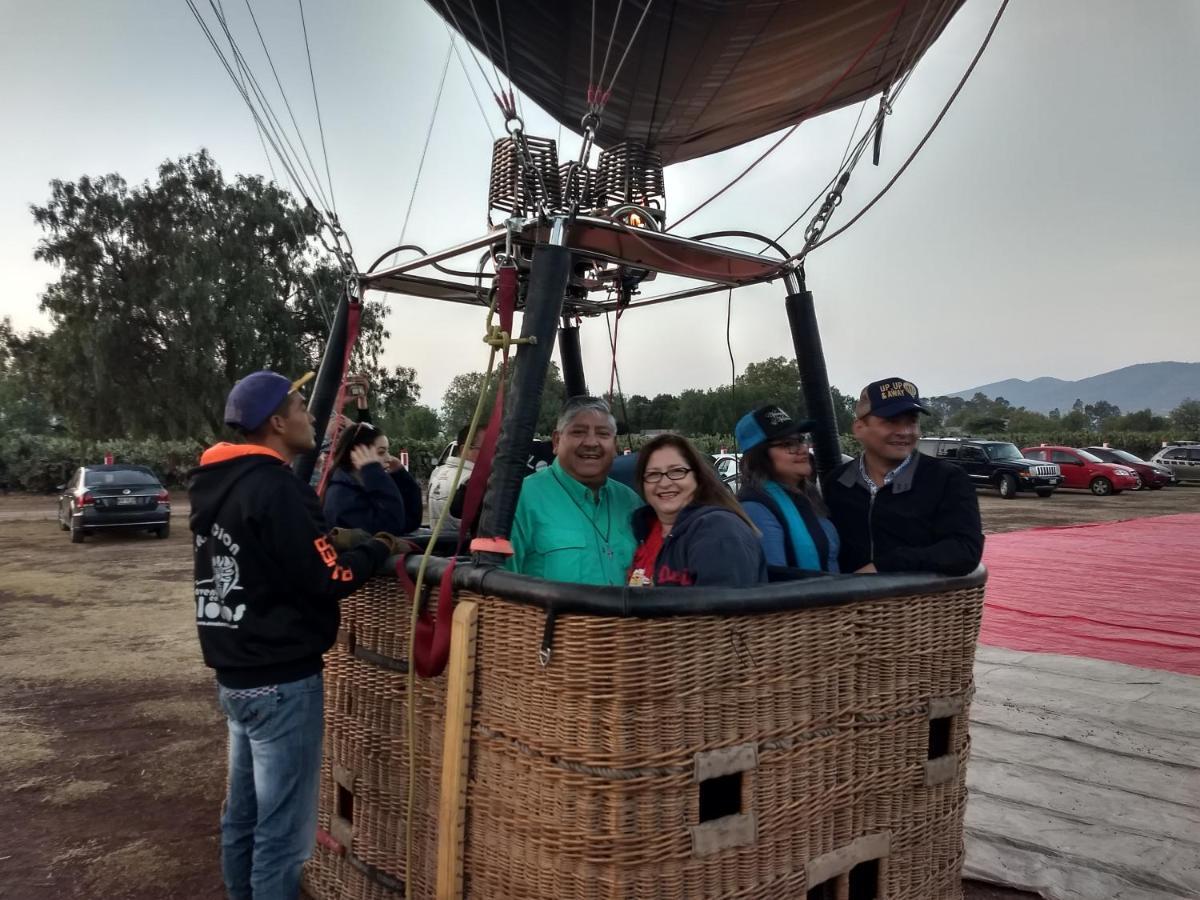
(796, 445)
(678, 473)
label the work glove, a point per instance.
(347, 538)
(395, 544)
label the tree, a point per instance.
(1186, 415)
(23, 402)
(458, 403)
(420, 423)
(1140, 420)
(773, 380)
(169, 292)
(1100, 412)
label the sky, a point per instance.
(1049, 227)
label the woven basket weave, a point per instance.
(759, 756)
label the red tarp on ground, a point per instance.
(1122, 591)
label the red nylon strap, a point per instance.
(506, 287)
(353, 321)
(431, 645)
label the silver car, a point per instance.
(1182, 459)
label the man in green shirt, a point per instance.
(573, 523)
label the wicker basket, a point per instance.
(815, 750)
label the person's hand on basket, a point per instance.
(394, 544)
(347, 538)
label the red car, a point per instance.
(1153, 477)
(1081, 469)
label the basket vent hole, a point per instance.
(864, 881)
(345, 804)
(860, 883)
(720, 797)
(939, 736)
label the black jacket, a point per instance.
(267, 580)
(381, 501)
(708, 545)
(926, 520)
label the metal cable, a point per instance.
(611, 37)
(292, 215)
(254, 113)
(629, 46)
(470, 82)
(287, 104)
(272, 120)
(787, 134)
(317, 103)
(928, 134)
(437, 102)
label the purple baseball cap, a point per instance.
(256, 396)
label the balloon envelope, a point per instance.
(700, 75)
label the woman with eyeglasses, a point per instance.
(368, 488)
(692, 531)
(779, 493)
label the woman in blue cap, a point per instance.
(779, 494)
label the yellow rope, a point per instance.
(497, 340)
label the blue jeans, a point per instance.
(269, 823)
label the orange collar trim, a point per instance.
(225, 451)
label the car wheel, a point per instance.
(1044, 494)
(76, 534)
(163, 531)
(1101, 487)
(1008, 487)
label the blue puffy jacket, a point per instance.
(379, 502)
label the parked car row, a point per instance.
(1046, 468)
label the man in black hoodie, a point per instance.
(895, 509)
(267, 586)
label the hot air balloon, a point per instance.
(504, 736)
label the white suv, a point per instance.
(1183, 460)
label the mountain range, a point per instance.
(1161, 386)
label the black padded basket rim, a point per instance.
(662, 602)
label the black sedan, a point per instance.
(114, 496)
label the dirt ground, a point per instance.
(111, 746)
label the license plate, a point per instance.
(128, 501)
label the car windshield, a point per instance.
(1126, 457)
(1003, 451)
(1090, 457)
(126, 477)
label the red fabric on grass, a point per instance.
(1128, 592)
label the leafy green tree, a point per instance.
(1186, 415)
(1101, 413)
(170, 291)
(1140, 420)
(458, 402)
(23, 402)
(419, 423)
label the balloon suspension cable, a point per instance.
(822, 239)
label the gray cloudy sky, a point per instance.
(1049, 227)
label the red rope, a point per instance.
(887, 25)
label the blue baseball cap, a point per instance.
(768, 423)
(889, 398)
(256, 396)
